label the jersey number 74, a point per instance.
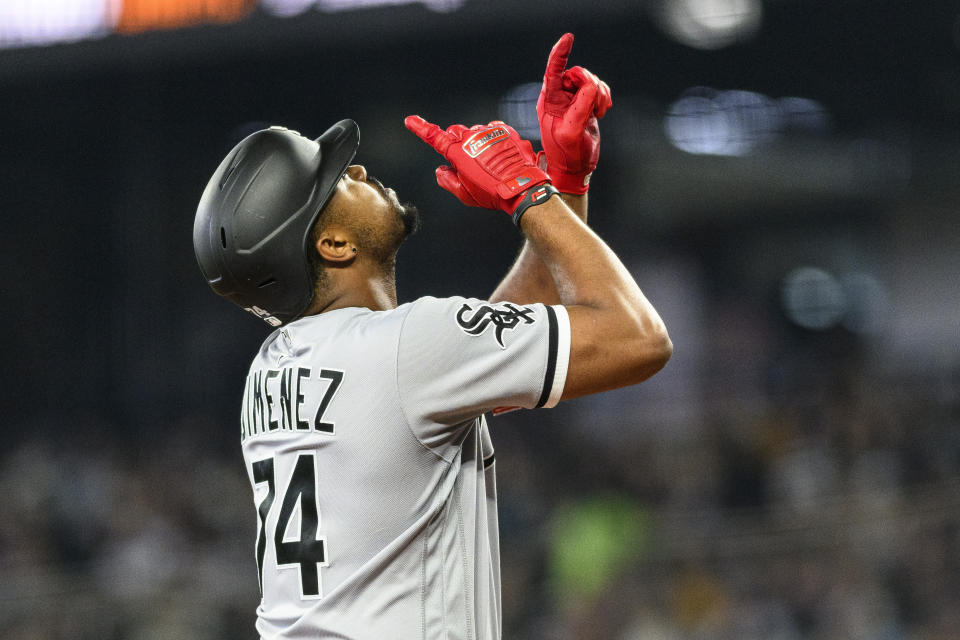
(307, 553)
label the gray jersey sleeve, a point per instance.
(461, 357)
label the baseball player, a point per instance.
(362, 423)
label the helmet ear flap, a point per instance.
(252, 228)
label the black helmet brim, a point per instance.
(338, 146)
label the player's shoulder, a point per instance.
(359, 322)
(459, 305)
(471, 316)
(332, 332)
(432, 303)
(302, 333)
(430, 308)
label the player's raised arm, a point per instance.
(617, 337)
(571, 102)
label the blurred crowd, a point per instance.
(827, 508)
(831, 513)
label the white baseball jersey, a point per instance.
(372, 466)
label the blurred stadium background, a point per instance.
(780, 175)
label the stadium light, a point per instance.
(711, 24)
(813, 298)
(868, 302)
(47, 21)
(287, 8)
(733, 123)
(519, 107)
(43, 22)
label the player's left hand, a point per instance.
(492, 166)
(571, 100)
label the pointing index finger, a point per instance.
(430, 133)
(557, 62)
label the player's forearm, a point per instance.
(529, 280)
(617, 337)
(583, 268)
(576, 203)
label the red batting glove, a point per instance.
(493, 167)
(569, 105)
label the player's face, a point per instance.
(373, 207)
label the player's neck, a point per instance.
(375, 292)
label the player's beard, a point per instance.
(406, 212)
(384, 242)
(409, 216)
(408, 223)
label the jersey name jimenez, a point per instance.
(276, 399)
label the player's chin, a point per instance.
(409, 216)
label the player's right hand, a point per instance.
(492, 166)
(571, 100)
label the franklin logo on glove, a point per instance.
(483, 140)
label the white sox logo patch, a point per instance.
(504, 318)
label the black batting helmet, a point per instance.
(254, 219)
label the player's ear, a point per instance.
(336, 245)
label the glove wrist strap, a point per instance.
(533, 196)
